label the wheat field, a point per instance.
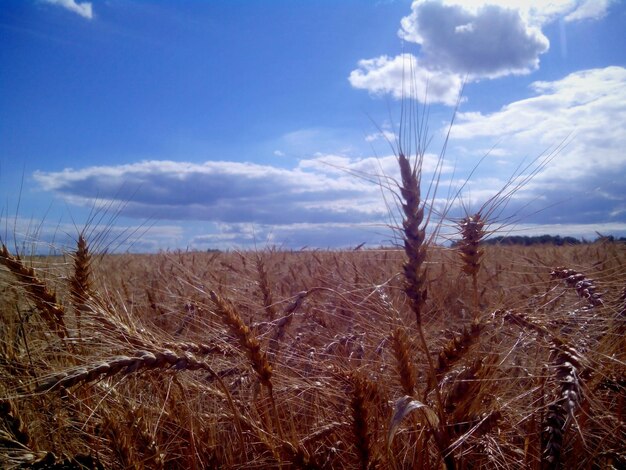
(419, 357)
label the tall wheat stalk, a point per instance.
(414, 230)
(80, 281)
(46, 301)
(472, 233)
(250, 344)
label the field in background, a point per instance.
(276, 359)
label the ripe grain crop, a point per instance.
(537, 383)
(383, 358)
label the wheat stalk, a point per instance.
(165, 359)
(248, 342)
(399, 342)
(45, 300)
(414, 268)
(567, 363)
(264, 287)
(472, 233)
(360, 426)
(80, 282)
(14, 423)
(577, 280)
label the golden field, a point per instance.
(314, 359)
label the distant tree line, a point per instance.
(556, 240)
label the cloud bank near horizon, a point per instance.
(335, 194)
(226, 192)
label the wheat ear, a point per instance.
(299, 456)
(414, 237)
(45, 300)
(80, 282)
(266, 291)
(125, 365)
(130, 435)
(283, 323)
(360, 426)
(14, 422)
(456, 347)
(567, 363)
(584, 286)
(472, 232)
(415, 249)
(399, 342)
(248, 342)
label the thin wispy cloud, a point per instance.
(84, 9)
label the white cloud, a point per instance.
(293, 236)
(384, 134)
(226, 192)
(323, 201)
(589, 9)
(584, 183)
(405, 76)
(488, 41)
(83, 9)
(472, 39)
(537, 12)
(589, 105)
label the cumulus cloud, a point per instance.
(533, 12)
(587, 109)
(489, 38)
(404, 76)
(589, 105)
(83, 9)
(491, 41)
(468, 39)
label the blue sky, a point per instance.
(239, 123)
